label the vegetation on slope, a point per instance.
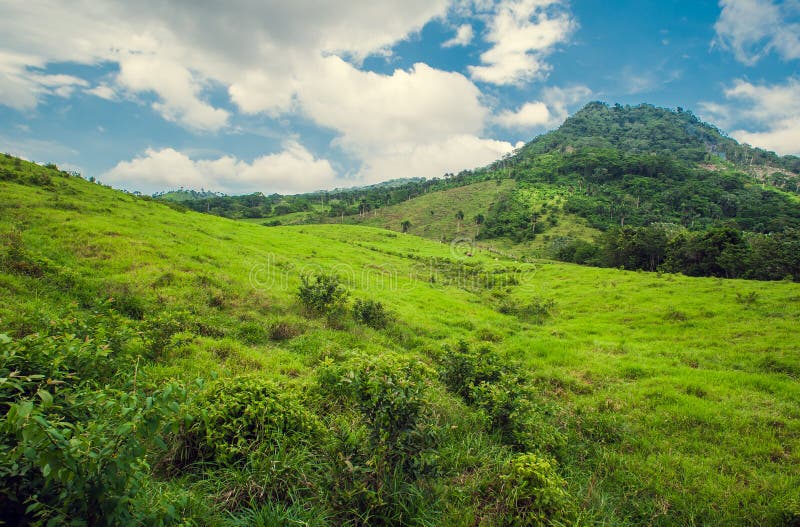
(481, 391)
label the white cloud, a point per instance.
(767, 116)
(389, 121)
(104, 91)
(753, 28)
(292, 170)
(177, 88)
(434, 159)
(275, 57)
(256, 49)
(21, 87)
(463, 36)
(523, 33)
(549, 112)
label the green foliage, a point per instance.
(162, 331)
(464, 369)
(535, 310)
(239, 416)
(531, 493)
(371, 312)
(389, 391)
(15, 257)
(322, 294)
(498, 389)
(72, 448)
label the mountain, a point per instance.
(646, 129)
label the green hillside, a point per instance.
(637, 187)
(159, 367)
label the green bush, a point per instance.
(390, 392)
(72, 448)
(494, 386)
(161, 331)
(379, 440)
(245, 414)
(322, 294)
(462, 369)
(370, 312)
(531, 493)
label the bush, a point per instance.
(160, 331)
(390, 392)
(495, 387)
(322, 294)
(380, 442)
(536, 311)
(531, 493)
(242, 415)
(462, 369)
(370, 312)
(15, 257)
(72, 449)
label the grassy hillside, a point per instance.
(498, 392)
(434, 215)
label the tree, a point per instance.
(478, 219)
(459, 218)
(405, 225)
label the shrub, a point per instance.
(72, 449)
(253, 333)
(160, 331)
(322, 294)
(15, 257)
(531, 493)
(242, 415)
(462, 369)
(389, 392)
(537, 310)
(747, 299)
(370, 312)
(495, 387)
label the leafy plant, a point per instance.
(370, 312)
(73, 449)
(531, 493)
(245, 414)
(322, 294)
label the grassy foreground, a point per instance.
(498, 393)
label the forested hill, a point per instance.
(646, 129)
(600, 144)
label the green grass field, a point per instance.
(677, 400)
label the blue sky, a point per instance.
(288, 97)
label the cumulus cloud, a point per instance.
(275, 58)
(293, 170)
(433, 159)
(549, 112)
(753, 28)
(767, 116)
(523, 33)
(463, 36)
(176, 50)
(390, 121)
(21, 87)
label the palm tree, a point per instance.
(460, 218)
(478, 219)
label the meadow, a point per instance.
(591, 396)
